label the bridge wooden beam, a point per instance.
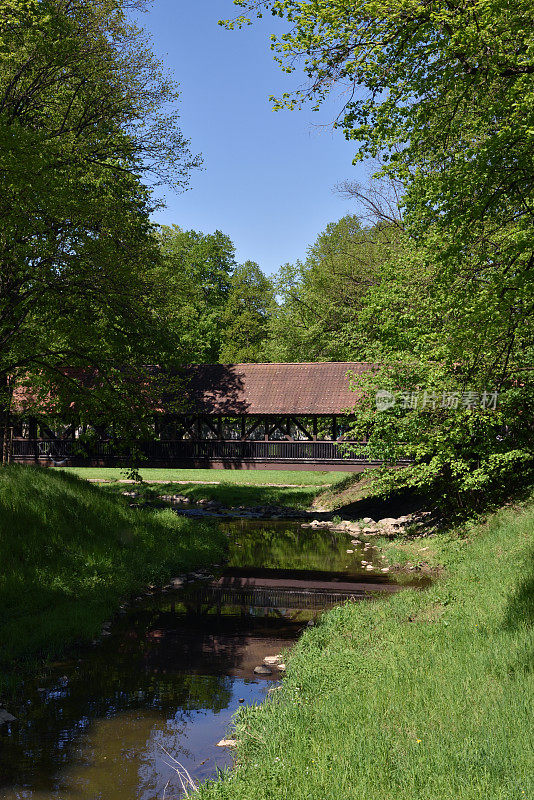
(301, 427)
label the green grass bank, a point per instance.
(236, 476)
(426, 696)
(229, 494)
(70, 553)
(297, 489)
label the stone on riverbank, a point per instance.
(6, 717)
(263, 670)
(387, 526)
(271, 661)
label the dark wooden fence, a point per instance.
(169, 452)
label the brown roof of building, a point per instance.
(233, 389)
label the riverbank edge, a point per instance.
(72, 555)
(226, 494)
(425, 694)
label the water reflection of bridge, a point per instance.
(272, 590)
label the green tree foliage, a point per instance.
(246, 315)
(443, 88)
(84, 111)
(443, 94)
(324, 310)
(192, 286)
(374, 294)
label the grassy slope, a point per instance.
(348, 490)
(426, 695)
(227, 486)
(69, 552)
(229, 494)
(259, 476)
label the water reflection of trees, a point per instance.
(114, 679)
(286, 546)
(153, 663)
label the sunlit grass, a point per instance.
(293, 488)
(424, 696)
(229, 494)
(238, 476)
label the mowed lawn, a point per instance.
(290, 488)
(247, 477)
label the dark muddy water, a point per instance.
(111, 723)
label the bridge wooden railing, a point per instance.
(43, 450)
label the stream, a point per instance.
(163, 686)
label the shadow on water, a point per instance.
(175, 668)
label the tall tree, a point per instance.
(192, 285)
(323, 300)
(85, 109)
(246, 315)
(443, 93)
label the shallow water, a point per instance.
(111, 723)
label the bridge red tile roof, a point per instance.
(310, 388)
(234, 389)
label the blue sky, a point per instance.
(268, 176)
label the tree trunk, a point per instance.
(6, 428)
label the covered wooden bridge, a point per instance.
(239, 416)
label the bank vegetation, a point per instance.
(71, 554)
(427, 694)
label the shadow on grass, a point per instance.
(400, 503)
(354, 498)
(519, 615)
(520, 610)
(70, 552)
(229, 494)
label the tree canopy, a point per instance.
(245, 321)
(441, 89)
(191, 288)
(442, 94)
(85, 111)
(324, 299)
(432, 277)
